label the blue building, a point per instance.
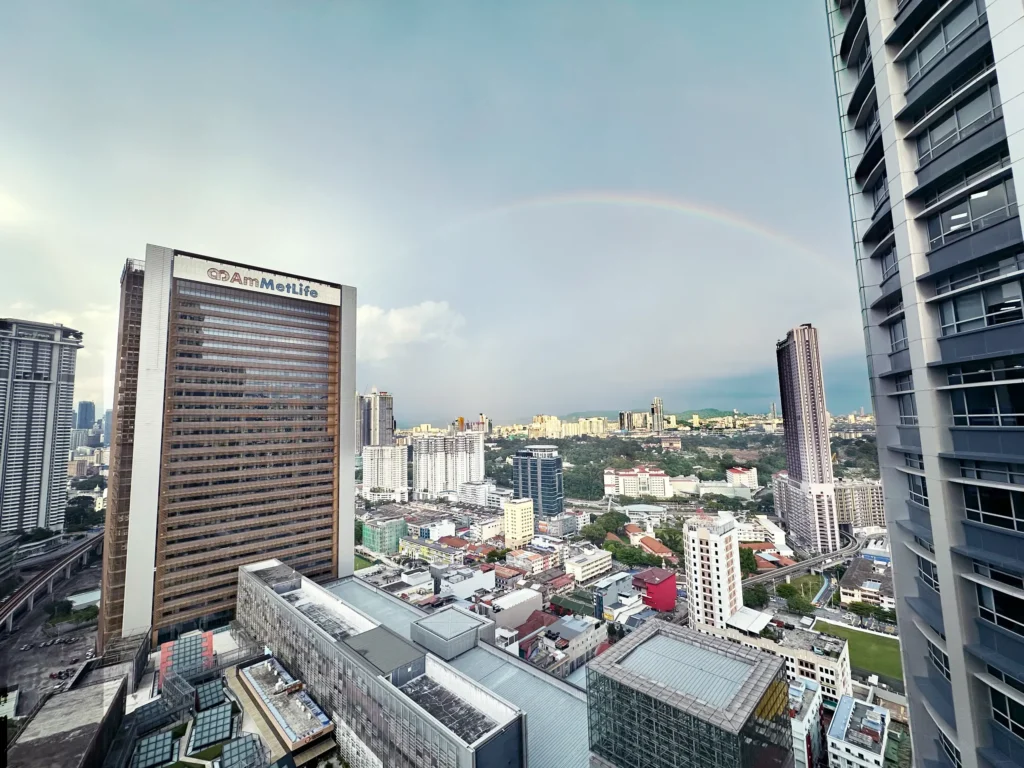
(537, 474)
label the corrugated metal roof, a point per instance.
(389, 611)
(556, 720)
(689, 669)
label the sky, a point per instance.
(545, 206)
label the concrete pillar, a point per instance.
(85, 558)
(31, 602)
(49, 586)
(67, 571)
(10, 622)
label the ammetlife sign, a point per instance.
(209, 271)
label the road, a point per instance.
(805, 566)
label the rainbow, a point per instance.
(646, 202)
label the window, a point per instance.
(997, 574)
(994, 471)
(953, 27)
(981, 209)
(1007, 712)
(938, 658)
(1006, 678)
(950, 749)
(871, 124)
(905, 382)
(908, 409)
(969, 311)
(924, 544)
(890, 263)
(994, 506)
(918, 489)
(913, 460)
(928, 572)
(1002, 369)
(998, 406)
(1001, 609)
(977, 274)
(880, 191)
(984, 168)
(959, 123)
(898, 335)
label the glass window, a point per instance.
(994, 506)
(997, 574)
(1007, 712)
(905, 383)
(880, 191)
(928, 572)
(898, 335)
(890, 263)
(993, 471)
(977, 309)
(1006, 678)
(953, 28)
(950, 749)
(999, 406)
(1001, 609)
(980, 210)
(908, 409)
(977, 274)
(913, 460)
(938, 658)
(918, 489)
(1004, 369)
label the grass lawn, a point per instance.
(808, 585)
(880, 655)
(362, 562)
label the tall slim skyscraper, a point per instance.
(37, 389)
(537, 475)
(928, 96)
(86, 414)
(228, 437)
(810, 504)
(108, 423)
(657, 416)
(382, 417)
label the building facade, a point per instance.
(442, 464)
(589, 564)
(657, 416)
(860, 504)
(386, 471)
(668, 696)
(229, 442)
(85, 414)
(637, 482)
(713, 578)
(384, 535)
(518, 522)
(37, 389)
(810, 503)
(927, 95)
(537, 474)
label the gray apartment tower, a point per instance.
(537, 475)
(37, 389)
(375, 419)
(809, 503)
(932, 121)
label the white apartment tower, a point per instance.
(713, 578)
(385, 467)
(37, 387)
(444, 463)
(810, 496)
(657, 416)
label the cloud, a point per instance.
(383, 333)
(12, 212)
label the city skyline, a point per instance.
(346, 194)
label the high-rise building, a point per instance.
(108, 422)
(860, 504)
(810, 504)
(37, 389)
(518, 522)
(228, 437)
(386, 471)
(362, 423)
(927, 95)
(537, 475)
(669, 696)
(382, 417)
(86, 414)
(442, 464)
(657, 416)
(714, 581)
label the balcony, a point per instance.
(939, 694)
(910, 15)
(881, 222)
(890, 287)
(992, 241)
(966, 52)
(860, 92)
(927, 606)
(872, 153)
(856, 27)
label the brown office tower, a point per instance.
(230, 443)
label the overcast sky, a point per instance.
(514, 188)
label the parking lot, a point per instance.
(30, 669)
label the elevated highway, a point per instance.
(853, 546)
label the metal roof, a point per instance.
(749, 620)
(687, 668)
(556, 713)
(383, 608)
(384, 649)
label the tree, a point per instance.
(755, 596)
(672, 538)
(612, 522)
(96, 482)
(359, 531)
(593, 533)
(786, 590)
(748, 563)
(799, 604)
(80, 514)
(496, 555)
(61, 607)
(631, 556)
(861, 609)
